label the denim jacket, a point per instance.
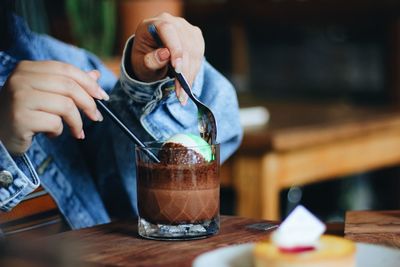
(94, 179)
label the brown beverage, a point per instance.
(175, 194)
(178, 198)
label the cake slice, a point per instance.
(331, 251)
(299, 242)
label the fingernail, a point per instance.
(162, 54)
(99, 116)
(104, 95)
(178, 65)
(82, 135)
(183, 98)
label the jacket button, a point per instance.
(6, 178)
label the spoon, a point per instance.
(206, 120)
(126, 130)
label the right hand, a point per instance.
(38, 96)
(184, 47)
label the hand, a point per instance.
(38, 96)
(184, 47)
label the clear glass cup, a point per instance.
(178, 199)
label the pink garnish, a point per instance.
(297, 249)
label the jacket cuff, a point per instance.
(19, 184)
(138, 91)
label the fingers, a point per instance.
(94, 74)
(157, 59)
(34, 122)
(40, 96)
(62, 69)
(171, 39)
(69, 88)
(59, 105)
(175, 33)
(47, 123)
(180, 93)
(184, 42)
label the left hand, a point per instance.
(184, 47)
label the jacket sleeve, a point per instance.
(18, 172)
(17, 179)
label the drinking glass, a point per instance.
(178, 198)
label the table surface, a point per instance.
(380, 227)
(118, 244)
(295, 125)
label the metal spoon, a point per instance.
(206, 120)
(126, 130)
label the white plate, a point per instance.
(241, 256)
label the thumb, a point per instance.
(157, 59)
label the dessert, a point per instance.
(331, 251)
(298, 243)
(185, 149)
(183, 188)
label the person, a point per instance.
(52, 133)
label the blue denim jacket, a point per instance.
(91, 180)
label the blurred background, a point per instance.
(318, 83)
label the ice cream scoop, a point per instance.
(185, 149)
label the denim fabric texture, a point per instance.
(94, 179)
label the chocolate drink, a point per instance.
(172, 192)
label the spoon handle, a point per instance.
(125, 129)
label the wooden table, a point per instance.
(118, 244)
(377, 227)
(306, 143)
